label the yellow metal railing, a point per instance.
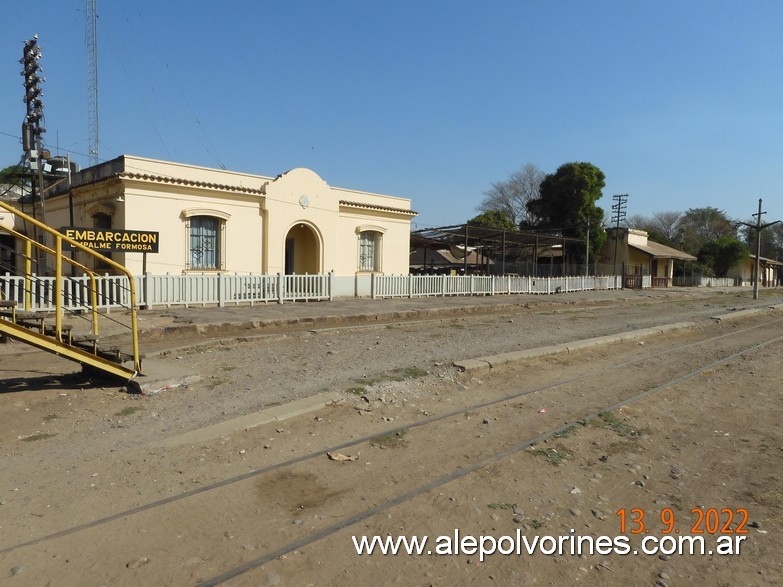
(59, 259)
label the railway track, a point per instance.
(297, 502)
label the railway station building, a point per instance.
(204, 220)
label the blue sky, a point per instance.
(680, 103)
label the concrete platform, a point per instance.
(486, 364)
(249, 421)
(159, 377)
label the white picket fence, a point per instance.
(112, 292)
(224, 289)
(411, 286)
(699, 281)
(221, 290)
(168, 290)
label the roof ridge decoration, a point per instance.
(380, 207)
(122, 175)
(189, 182)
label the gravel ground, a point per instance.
(244, 373)
(249, 373)
(75, 452)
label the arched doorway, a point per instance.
(302, 251)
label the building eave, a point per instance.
(378, 208)
(173, 181)
(145, 177)
(659, 251)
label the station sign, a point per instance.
(111, 239)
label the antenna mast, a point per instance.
(92, 80)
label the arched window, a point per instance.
(205, 243)
(206, 239)
(370, 250)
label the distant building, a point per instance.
(631, 249)
(449, 261)
(770, 271)
(212, 220)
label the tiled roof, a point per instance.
(660, 251)
(377, 207)
(179, 181)
(169, 180)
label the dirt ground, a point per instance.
(74, 454)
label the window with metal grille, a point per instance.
(369, 250)
(205, 243)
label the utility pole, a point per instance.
(587, 249)
(758, 227)
(31, 127)
(618, 215)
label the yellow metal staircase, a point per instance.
(46, 329)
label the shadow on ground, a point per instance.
(54, 382)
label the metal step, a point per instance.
(36, 322)
(108, 364)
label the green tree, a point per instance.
(699, 226)
(771, 240)
(722, 253)
(9, 177)
(6, 173)
(494, 219)
(567, 203)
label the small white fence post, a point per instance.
(147, 285)
(220, 292)
(280, 287)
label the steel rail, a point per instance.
(464, 471)
(417, 424)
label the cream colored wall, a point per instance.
(637, 237)
(745, 269)
(636, 257)
(664, 268)
(395, 227)
(608, 251)
(334, 226)
(155, 167)
(318, 212)
(258, 222)
(164, 212)
(103, 199)
(160, 210)
(396, 238)
(742, 270)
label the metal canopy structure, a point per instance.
(467, 236)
